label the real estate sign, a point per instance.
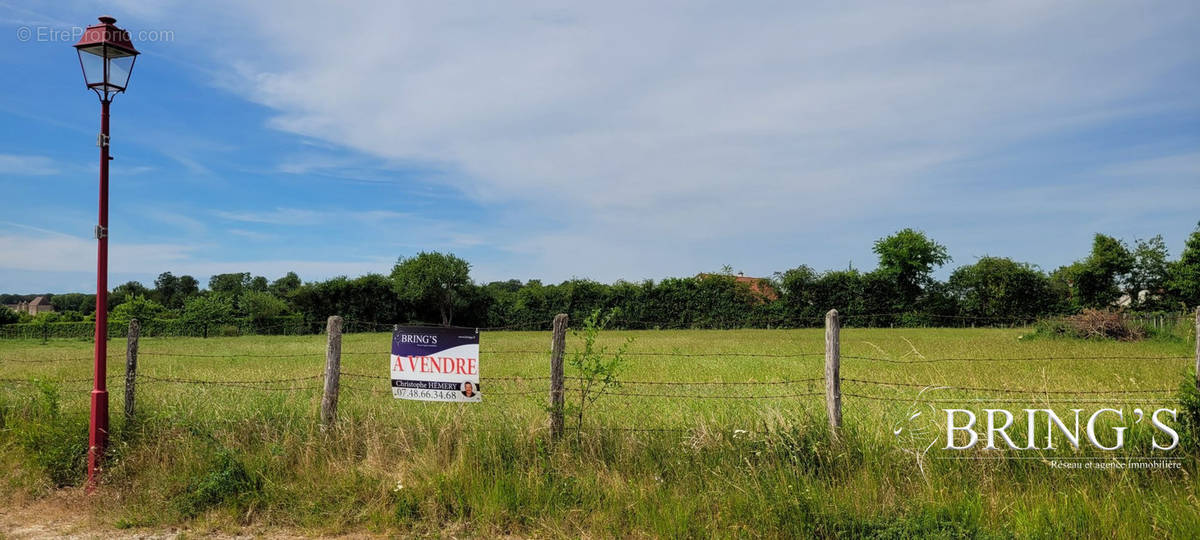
(435, 364)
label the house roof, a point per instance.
(761, 287)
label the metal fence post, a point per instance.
(333, 370)
(833, 378)
(558, 344)
(131, 353)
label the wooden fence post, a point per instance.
(558, 345)
(1198, 348)
(131, 350)
(333, 370)
(833, 378)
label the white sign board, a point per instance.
(435, 364)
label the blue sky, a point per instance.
(607, 141)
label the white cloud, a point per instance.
(23, 165)
(278, 216)
(174, 219)
(676, 116)
(1183, 166)
(57, 252)
(49, 252)
(651, 130)
(302, 216)
(252, 235)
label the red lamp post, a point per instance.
(106, 56)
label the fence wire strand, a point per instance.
(634, 405)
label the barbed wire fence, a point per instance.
(629, 400)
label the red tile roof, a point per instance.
(760, 287)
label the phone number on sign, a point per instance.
(417, 393)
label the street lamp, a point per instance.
(106, 56)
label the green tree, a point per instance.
(187, 288)
(8, 316)
(166, 287)
(139, 307)
(433, 279)
(205, 312)
(838, 289)
(798, 285)
(721, 301)
(124, 292)
(286, 285)
(909, 258)
(1000, 288)
(1095, 282)
(83, 303)
(231, 285)
(260, 306)
(1184, 280)
(172, 291)
(70, 316)
(1149, 272)
(258, 284)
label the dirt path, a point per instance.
(66, 515)
(63, 515)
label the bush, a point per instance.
(1189, 414)
(56, 442)
(229, 330)
(206, 312)
(227, 481)
(138, 307)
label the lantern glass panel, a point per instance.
(119, 69)
(93, 65)
(93, 58)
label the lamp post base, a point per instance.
(97, 436)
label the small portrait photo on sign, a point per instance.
(469, 389)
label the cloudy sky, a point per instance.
(609, 140)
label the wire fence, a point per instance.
(636, 405)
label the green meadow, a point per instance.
(709, 433)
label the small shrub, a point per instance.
(594, 365)
(1175, 330)
(1051, 328)
(915, 319)
(229, 330)
(408, 507)
(227, 481)
(56, 443)
(1189, 414)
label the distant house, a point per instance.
(760, 287)
(1143, 295)
(33, 307)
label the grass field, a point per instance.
(668, 453)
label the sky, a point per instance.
(600, 140)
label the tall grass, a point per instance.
(238, 459)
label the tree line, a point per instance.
(437, 288)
